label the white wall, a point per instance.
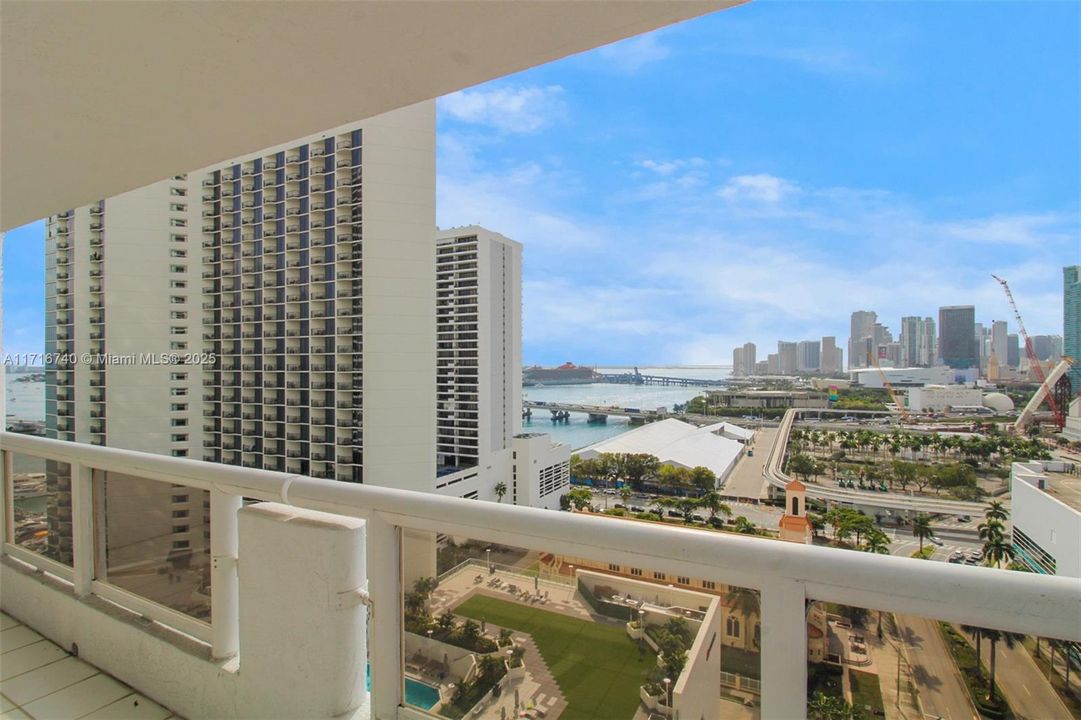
(1053, 525)
(399, 298)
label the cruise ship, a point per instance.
(566, 374)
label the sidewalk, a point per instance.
(897, 699)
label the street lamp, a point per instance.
(489, 559)
(668, 691)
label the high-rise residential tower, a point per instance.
(1013, 351)
(1071, 322)
(1000, 343)
(862, 327)
(787, 357)
(957, 336)
(809, 356)
(235, 314)
(917, 342)
(750, 358)
(830, 362)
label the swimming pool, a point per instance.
(417, 693)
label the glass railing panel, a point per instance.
(41, 490)
(154, 540)
(496, 631)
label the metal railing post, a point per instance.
(385, 627)
(784, 649)
(224, 585)
(82, 527)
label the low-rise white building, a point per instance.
(1046, 519)
(936, 398)
(679, 444)
(910, 377)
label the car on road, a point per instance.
(964, 518)
(620, 506)
(750, 453)
(956, 557)
(935, 540)
(635, 508)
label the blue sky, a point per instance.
(760, 173)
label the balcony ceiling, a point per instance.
(100, 98)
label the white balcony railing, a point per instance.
(270, 553)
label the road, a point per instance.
(1030, 696)
(762, 515)
(746, 480)
(941, 690)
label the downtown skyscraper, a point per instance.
(957, 345)
(1071, 322)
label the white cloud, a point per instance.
(758, 188)
(1026, 230)
(510, 109)
(633, 54)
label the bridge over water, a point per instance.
(637, 378)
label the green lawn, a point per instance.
(865, 690)
(598, 667)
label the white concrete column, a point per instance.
(83, 523)
(385, 579)
(302, 623)
(784, 650)
(224, 586)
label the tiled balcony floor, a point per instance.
(39, 680)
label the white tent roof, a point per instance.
(729, 430)
(674, 442)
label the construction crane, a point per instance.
(897, 401)
(1033, 361)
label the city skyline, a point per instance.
(710, 205)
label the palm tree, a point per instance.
(743, 600)
(997, 551)
(921, 528)
(990, 530)
(995, 636)
(996, 510)
(500, 490)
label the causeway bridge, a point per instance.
(637, 378)
(599, 413)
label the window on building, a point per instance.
(178, 407)
(613, 567)
(178, 299)
(180, 528)
(636, 571)
(178, 283)
(180, 514)
(180, 498)
(709, 585)
(178, 315)
(178, 422)
(178, 252)
(178, 268)
(732, 627)
(683, 580)
(659, 575)
(178, 222)
(178, 346)
(178, 207)
(178, 192)
(178, 376)
(178, 437)
(181, 544)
